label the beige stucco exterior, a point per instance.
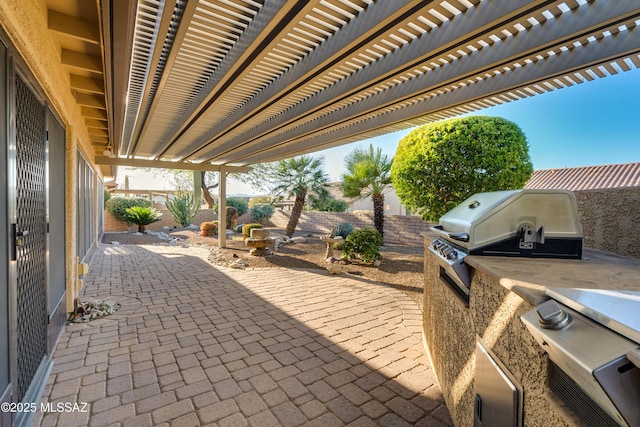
(451, 329)
(609, 219)
(25, 22)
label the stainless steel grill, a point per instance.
(525, 223)
(592, 338)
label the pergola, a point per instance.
(224, 84)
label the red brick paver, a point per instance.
(198, 345)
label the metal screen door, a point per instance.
(30, 234)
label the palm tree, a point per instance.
(368, 174)
(295, 178)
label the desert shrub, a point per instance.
(209, 228)
(232, 217)
(261, 213)
(239, 203)
(329, 205)
(363, 244)
(336, 205)
(183, 209)
(344, 229)
(246, 230)
(142, 215)
(117, 206)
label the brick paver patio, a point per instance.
(198, 345)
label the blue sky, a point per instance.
(594, 123)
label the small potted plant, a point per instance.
(142, 216)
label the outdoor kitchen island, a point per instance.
(459, 333)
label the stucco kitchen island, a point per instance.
(502, 290)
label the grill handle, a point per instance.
(462, 237)
(459, 236)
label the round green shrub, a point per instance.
(262, 213)
(439, 165)
(363, 244)
(344, 229)
(117, 206)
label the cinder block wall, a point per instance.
(112, 225)
(397, 229)
(609, 219)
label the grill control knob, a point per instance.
(551, 316)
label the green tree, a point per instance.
(368, 175)
(295, 178)
(439, 165)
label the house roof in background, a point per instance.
(587, 177)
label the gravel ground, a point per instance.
(401, 267)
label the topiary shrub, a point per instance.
(439, 165)
(261, 213)
(344, 229)
(183, 209)
(117, 206)
(246, 230)
(240, 204)
(363, 244)
(142, 216)
(209, 228)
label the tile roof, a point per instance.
(587, 177)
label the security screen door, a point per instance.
(30, 232)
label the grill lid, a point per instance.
(528, 217)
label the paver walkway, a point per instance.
(198, 345)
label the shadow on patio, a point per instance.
(195, 345)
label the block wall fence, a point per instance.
(609, 218)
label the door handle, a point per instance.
(18, 240)
(20, 237)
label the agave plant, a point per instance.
(142, 216)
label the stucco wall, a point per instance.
(610, 218)
(493, 315)
(25, 23)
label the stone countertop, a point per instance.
(529, 277)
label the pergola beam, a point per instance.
(608, 50)
(503, 54)
(138, 163)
